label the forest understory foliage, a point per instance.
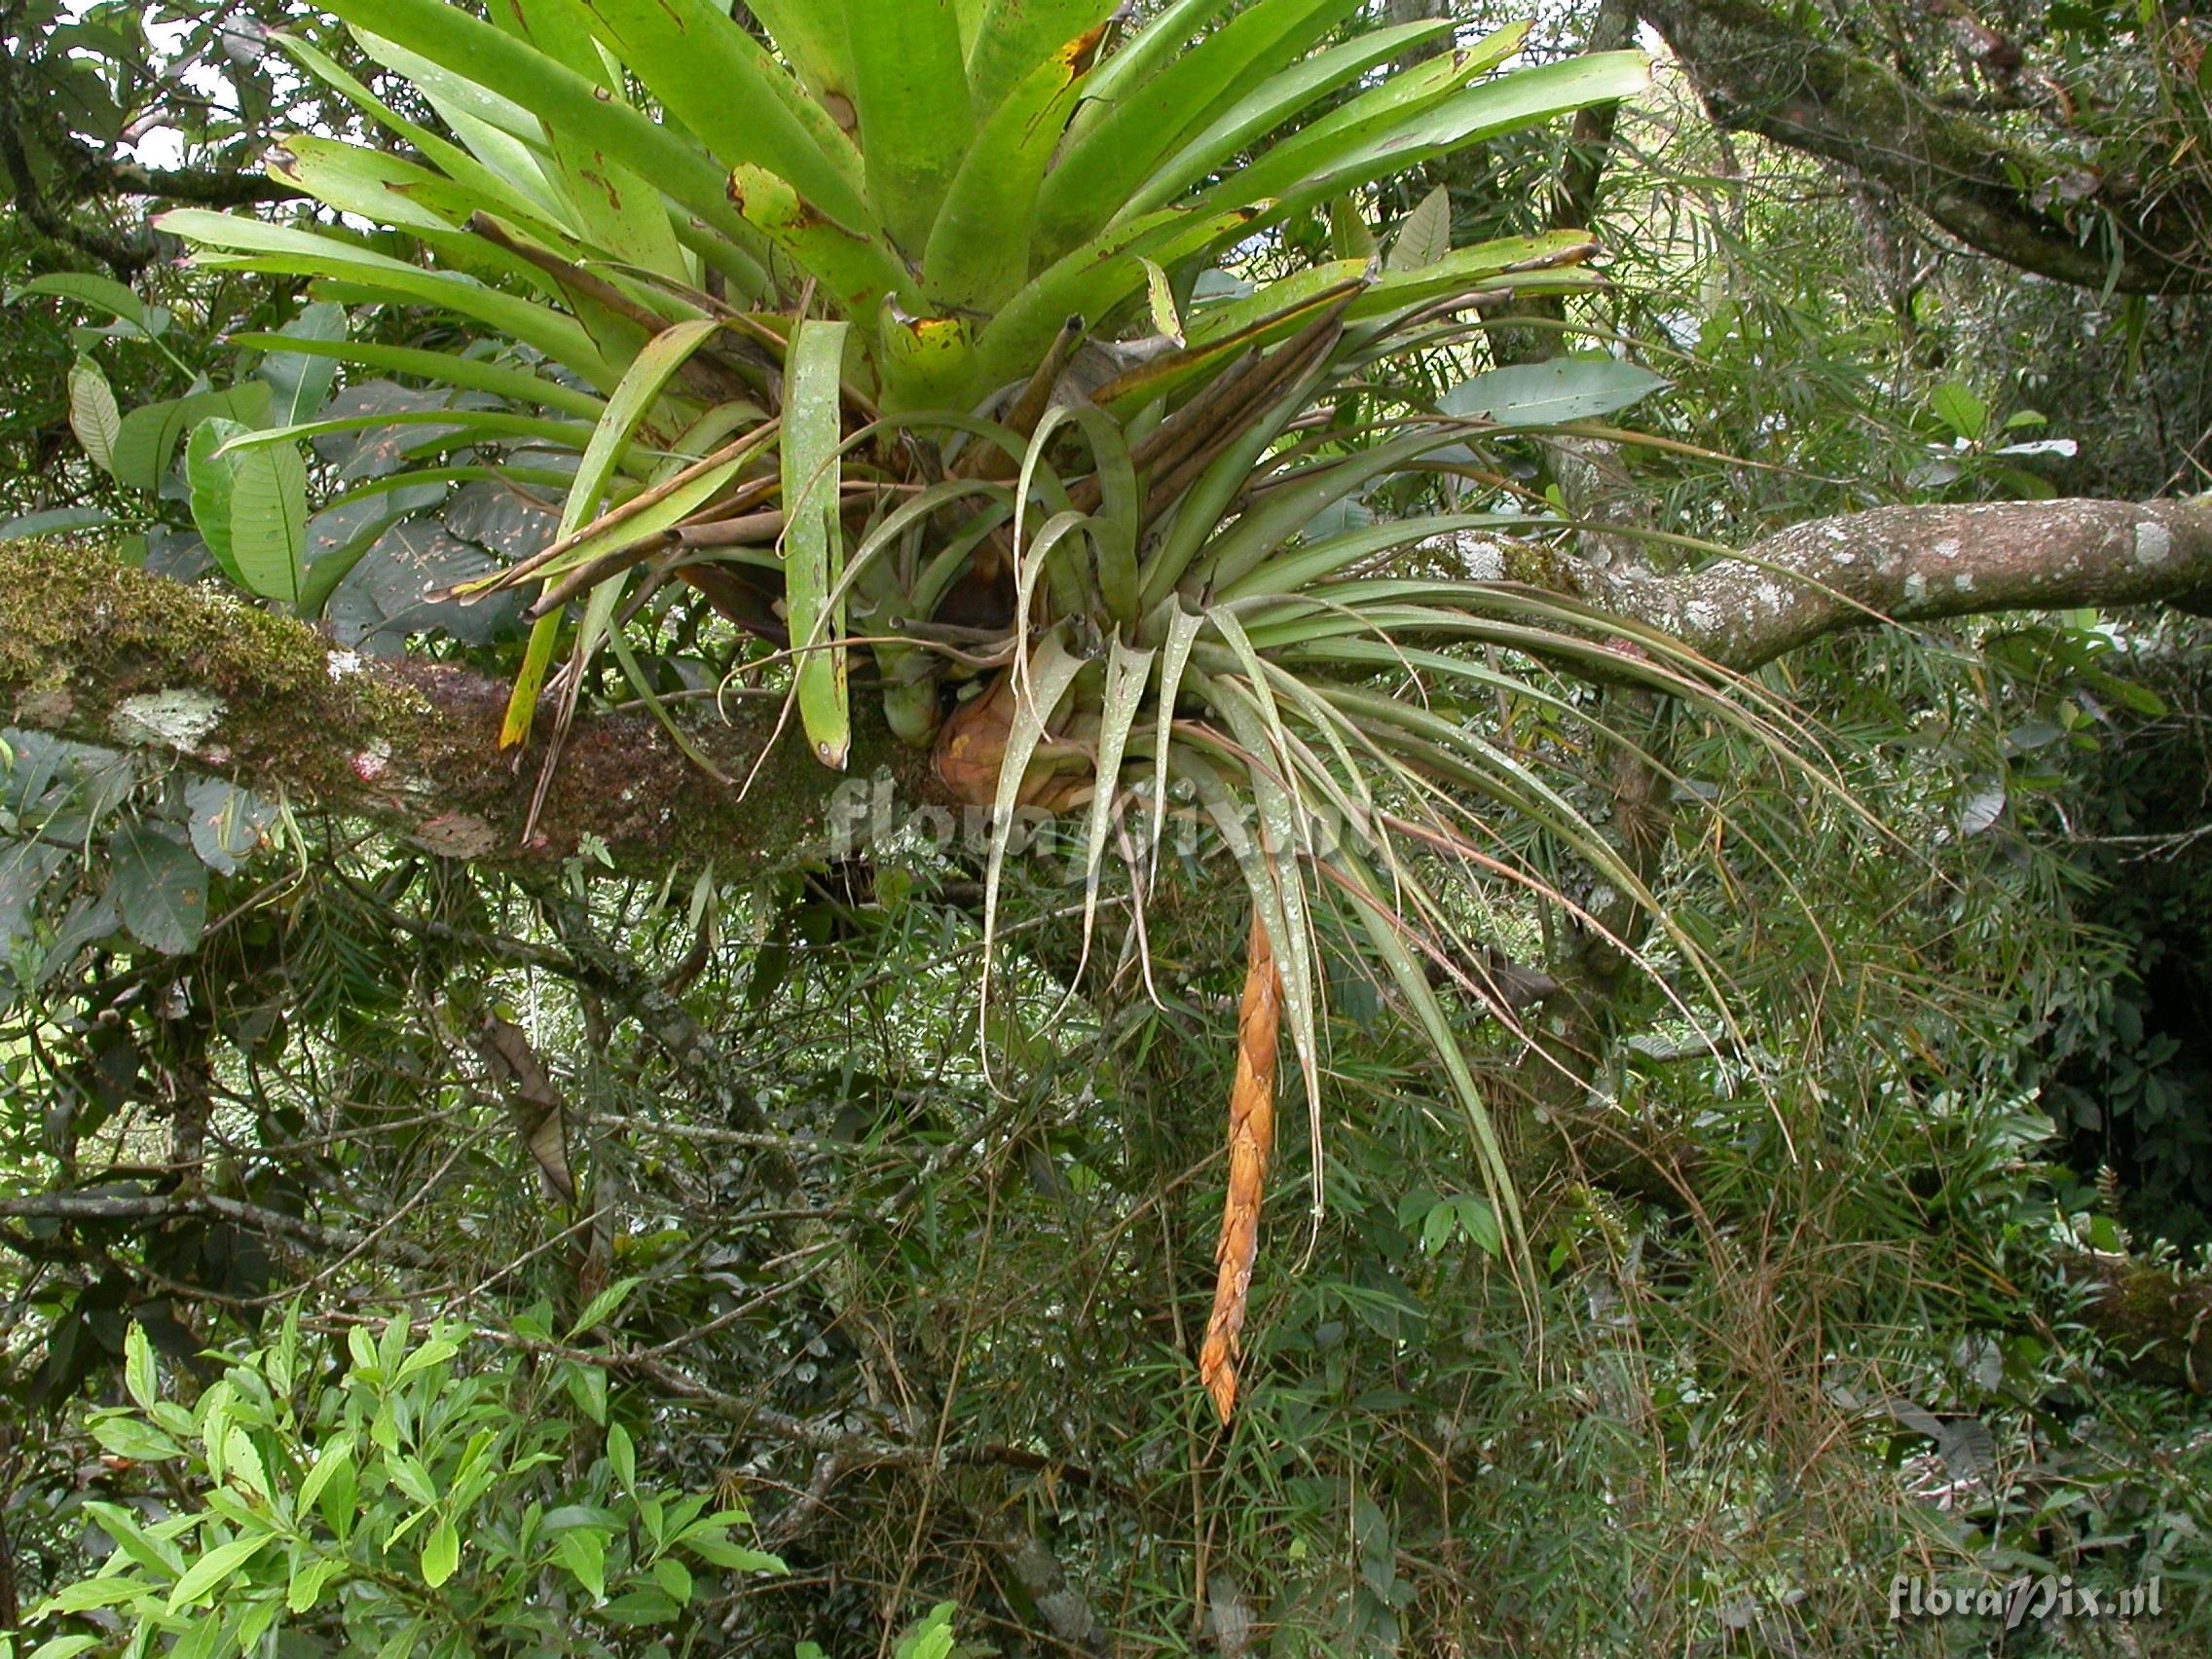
(854, 827)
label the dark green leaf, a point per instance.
(160, 887)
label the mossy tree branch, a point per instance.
(2157, 1317)
(93, 650)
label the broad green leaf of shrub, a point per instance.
(1549, 395)
(160, 886)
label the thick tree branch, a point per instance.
(93, 650)
(1918, 565)
(1759, 72)
(2157, 1317)
(95, 175)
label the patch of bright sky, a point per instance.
(159, 145)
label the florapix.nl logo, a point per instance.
(2030, 1597)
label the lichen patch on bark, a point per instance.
(178, 718)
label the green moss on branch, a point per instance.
(94, 650)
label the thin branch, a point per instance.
(162, 1206)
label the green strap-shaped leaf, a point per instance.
(556, 336)
(613, 209)
(1140, 57)
(1013, 38)
(646, 525)
(1221, 331)
(736, 99)
(1450, 754)
(1359, 156)
(1279, 309)
(1099, 171)
(286, 250)
(457, 164)
(1276, 101)
(390, 190)
(914, 115)
(482, 423)
(626, 407)
(593, 629)
(513, 190)
(1089, 282)
(496, 133)
(1281, 302)
(1299, 497)
(529, 679)
(1299, 569)
(470, 374)
(977, 252)
(452, 38)
(811, 36)
(814, 536)
(1365, 121)
(512, 186)
(1485, 767)
(472, 108)
(1305, 300)
(1204, 502)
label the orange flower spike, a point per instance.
(1251, 1141)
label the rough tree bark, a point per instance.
(1919, 565)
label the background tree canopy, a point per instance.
(693, 701)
